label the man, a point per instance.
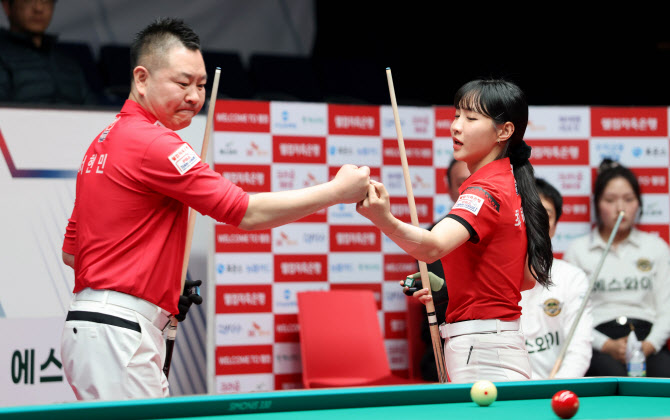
(548, 314)
(126, 236)
(32, 70)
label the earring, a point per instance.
(498, 141)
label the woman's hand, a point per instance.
(423, 295)
(377, 207)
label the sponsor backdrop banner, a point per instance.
(252, 278)
(278, 146)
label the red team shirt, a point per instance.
(128, 227)
(484, 275)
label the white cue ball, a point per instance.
(483, 393)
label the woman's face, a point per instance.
(475, 138)
(618, 195)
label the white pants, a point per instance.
(109, 362)
(494, 356)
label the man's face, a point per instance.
(175, 91)
(459, 173)
(551, 212)
(29, 16)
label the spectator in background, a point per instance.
(32, 70)
(633, 288)
(457, 173)
(547, 314)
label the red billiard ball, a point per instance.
(565, 404)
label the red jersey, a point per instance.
(128, 227)
(484, 275)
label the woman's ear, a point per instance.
(505, 132)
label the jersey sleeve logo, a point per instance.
(469, 202)
(184, 158)
(489, 197)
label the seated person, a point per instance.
(633, 284)
(548, 313)
(32, 70)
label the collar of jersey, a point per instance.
(131, 107)
(495, 167)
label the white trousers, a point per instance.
(108, 362)
(495, 356)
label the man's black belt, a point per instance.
(103, 319)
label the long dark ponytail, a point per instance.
(503, 101)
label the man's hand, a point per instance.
(616, 348)
(351, 183)
(188, 298)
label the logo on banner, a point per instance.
(243, 359)
(299, 149)
(255, 150)
(444, 116)
(569, 123)
(560, 152)
(395, 325)
(287, 329)
(629, 121)
(242, 116)
(300, 267)
(252, 178)
(354, 238)
(397, 353)
(353, 120)
(252, 298)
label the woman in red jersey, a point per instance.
(494, 242)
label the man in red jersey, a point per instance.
(126, 237)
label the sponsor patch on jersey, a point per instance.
(552, 307)
(184, 158)
(469, 202)
(644, 264)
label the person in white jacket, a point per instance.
(633, 286)
(548, 313)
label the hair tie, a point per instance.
(519, 153)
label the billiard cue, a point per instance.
(430, 306)
(172, 328)
(587, 295)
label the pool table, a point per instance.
(599, 398)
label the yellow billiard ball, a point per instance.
(483, 393)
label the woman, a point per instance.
(633, 288)
(494, 242)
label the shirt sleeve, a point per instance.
(578, 355)
(478, 210)
(69, 243)
(660, 331)
(171, 167)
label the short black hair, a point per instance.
(608, 170)
(160, 35)
(548, 191)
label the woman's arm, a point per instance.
(420, 243)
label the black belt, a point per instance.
(614, 330)
(103, 319)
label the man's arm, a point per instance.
(268, 210)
